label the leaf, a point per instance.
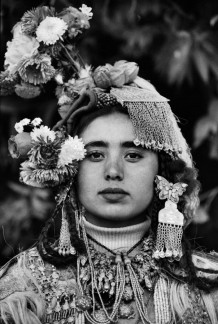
(213, 109)
(174, 58)
(202, 64)
(201, 215)
(214, 20)
(138, 40)
(214, 67)
(203, 128)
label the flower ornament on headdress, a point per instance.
(44, 46)
(43, 50)
(50, 30)
(86, 11)
(121, 73)
(52, 155)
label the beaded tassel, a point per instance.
(161, 302)
(169, 232)
(77, 222)
(78, 211)
(170, 227)
(65, 247)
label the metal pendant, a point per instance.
(126, 311)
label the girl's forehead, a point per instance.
(115, 128)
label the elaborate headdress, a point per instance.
(35, 58)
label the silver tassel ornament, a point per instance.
(64, 247)
(170, 221)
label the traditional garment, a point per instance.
(33, 291)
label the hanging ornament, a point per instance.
(170, 219)
(65, 247)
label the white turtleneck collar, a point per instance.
(116, 239)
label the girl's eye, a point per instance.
(95, 156)
(133, 156)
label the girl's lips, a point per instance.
(113, 194)
(113, 191)
(113, 197)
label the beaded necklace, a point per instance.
(114, 281)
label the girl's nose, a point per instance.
(114, 169)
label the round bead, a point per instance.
(168, 253)
(137, 142)
(83, 302)
(126, 311)
(118, 258)
(100, 315)
(128, 293)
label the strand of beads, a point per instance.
(161, 301)
(105, 317)
(138, 291)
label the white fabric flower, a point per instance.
(71, 81)
(50, 30)
(36, 122)
(19, 126)
(86, 11)
(43, 132)
(59, 78)
(20, 47)
(85, 73)
(25, 121)
(64, 99)
(72, 149)
(17, 30)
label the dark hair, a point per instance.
(82, 121)
(172, 170)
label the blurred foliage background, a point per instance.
(175, 44)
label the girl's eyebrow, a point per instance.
(105, 144)
(97, 143)
(129, 144)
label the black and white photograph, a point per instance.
(109, 162)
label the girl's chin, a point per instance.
(112, 215)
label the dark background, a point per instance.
(175, 44)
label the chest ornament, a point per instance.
(59, 289)
(116, 281)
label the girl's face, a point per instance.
(116, 179)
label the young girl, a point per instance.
(126, 189)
